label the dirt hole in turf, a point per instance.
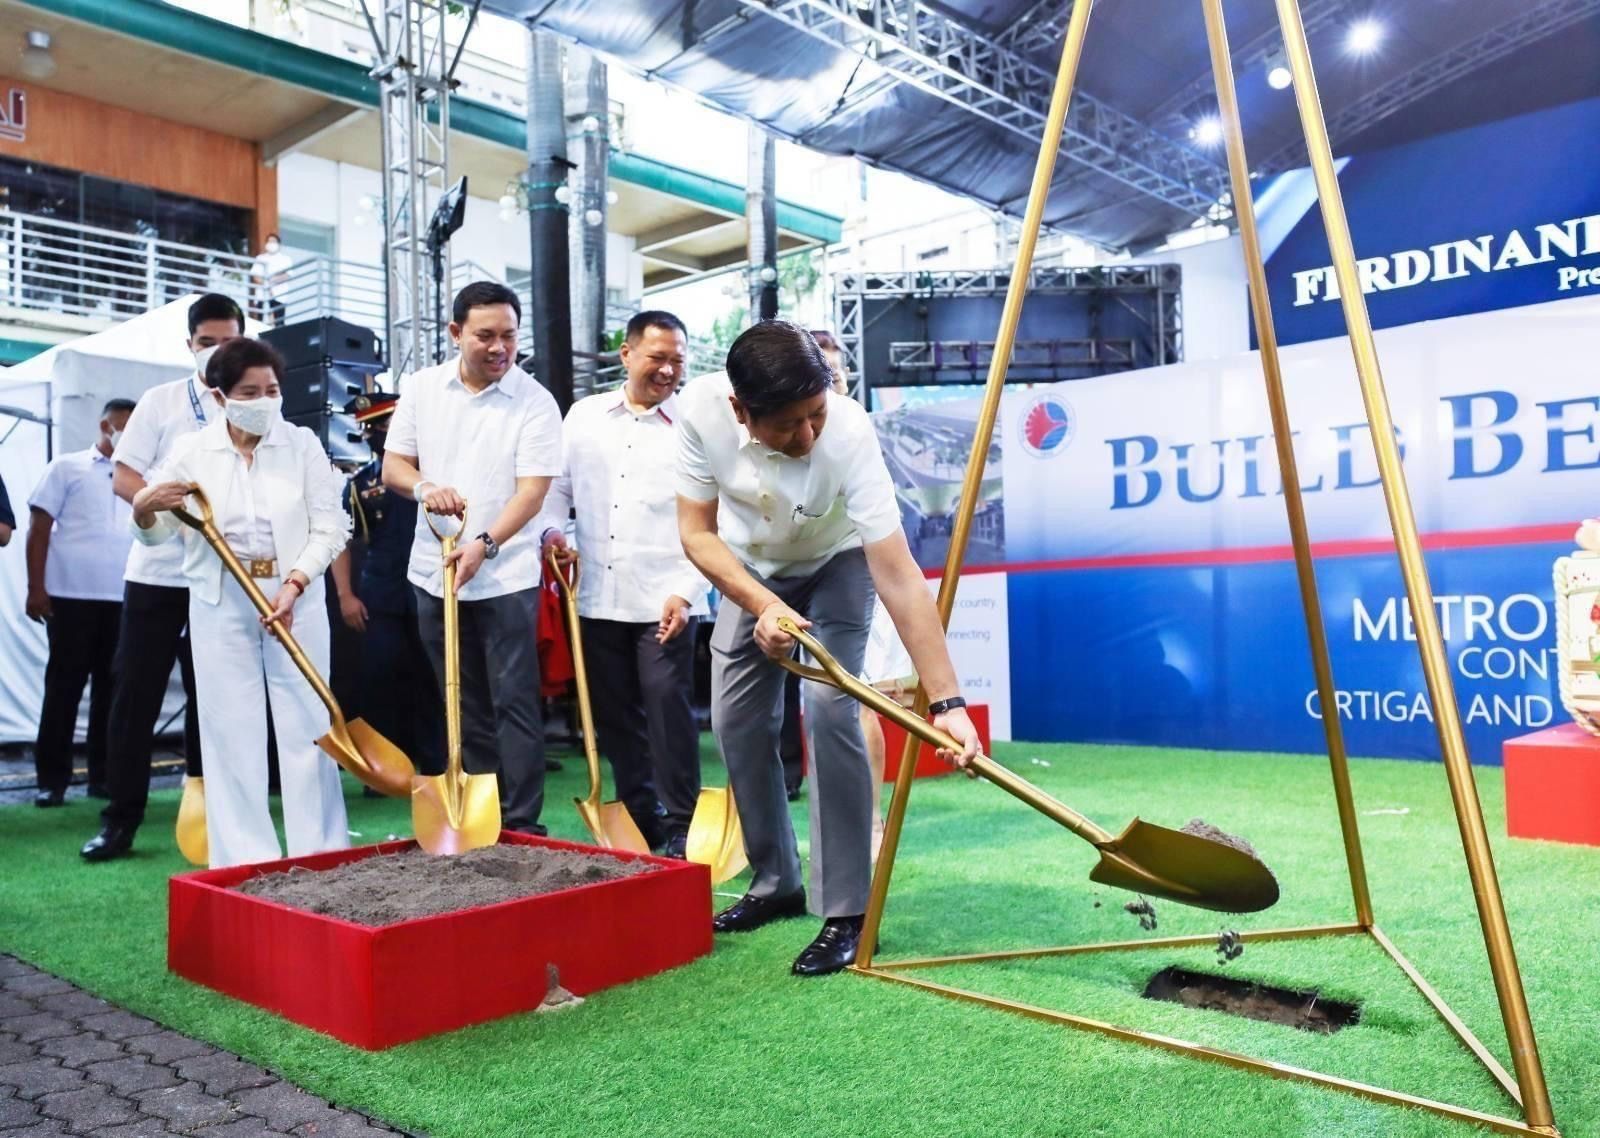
(1307, 1011)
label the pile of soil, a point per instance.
(389, 888)
(1200, 828)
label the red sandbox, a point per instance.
(374, 987)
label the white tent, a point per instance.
(65, 388)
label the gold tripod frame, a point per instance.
(1527, 1087)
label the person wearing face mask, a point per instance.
(638, 596)
(77, 546)
(155, 601)
(277, 502)
(269, 273)
(479, 435)
(786, 505)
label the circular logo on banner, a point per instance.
(1047, 426)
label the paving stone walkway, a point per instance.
(73, 1064)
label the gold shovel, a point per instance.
(355, 746)
(453, 812)
(610, 823)
(191, 826)
(1195, 869)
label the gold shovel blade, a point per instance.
(1186, 868)
(192, 842)
(451, 820)
(612, 826)
(715, 837)
(370, 757)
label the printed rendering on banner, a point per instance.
(1494, 216)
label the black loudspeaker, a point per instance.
(339, 434)
(325, 339)
(312, 387)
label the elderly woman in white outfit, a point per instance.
(277, 501)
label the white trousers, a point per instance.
(238, 667)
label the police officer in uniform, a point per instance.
(398, 696)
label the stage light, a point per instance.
(768, 274)
(1208, 131)
(1364, 36)
(1279, 78)
(37, 62)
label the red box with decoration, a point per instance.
(928, 763)
(1553, 785)
(374, 987)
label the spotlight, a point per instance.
(1279, 77)
(37, 62)
(768, 274)
(1364, 36)
(1208, 131)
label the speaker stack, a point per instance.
(328, 362)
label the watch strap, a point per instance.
(940, 706)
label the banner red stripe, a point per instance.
(1257, 554)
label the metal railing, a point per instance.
(62, 268)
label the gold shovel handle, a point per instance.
(206, 524)
(834, 675)
(556, 557)
(452, 660)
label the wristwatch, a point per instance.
(491, 548)
(940, 706)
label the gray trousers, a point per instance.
(502, 724)
(644, 720)
(747, 716)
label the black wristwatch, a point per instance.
(491, 548)
(940, 706)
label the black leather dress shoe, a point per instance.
(752, 912)
(676, 846)
(111, 842)
(48, 798)
(834, 950)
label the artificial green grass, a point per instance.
(733, 1045)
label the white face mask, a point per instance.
(254, 416)
(202, 358)
(272, 246)
(116, 436)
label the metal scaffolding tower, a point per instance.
(414, 71)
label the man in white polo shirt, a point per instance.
(155, 601)
(638, 596)
(785, 504)
(78, 543)
(479, 434)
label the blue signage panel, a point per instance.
(1493, 216)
